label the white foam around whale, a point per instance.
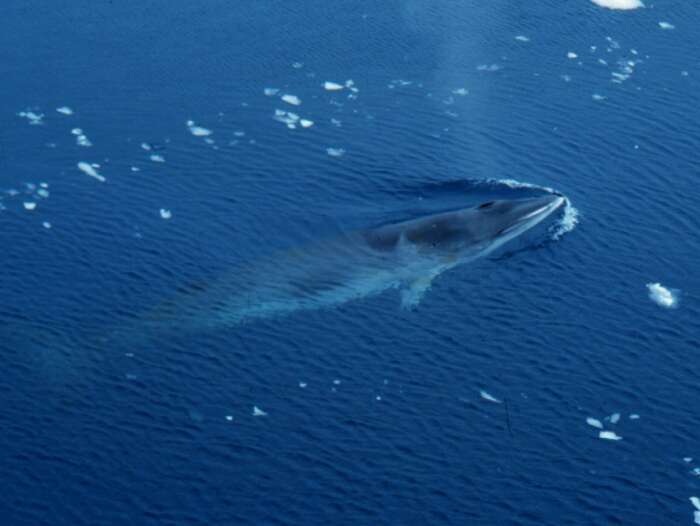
(619, 4)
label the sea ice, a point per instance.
(614, 418)
(666, 25)
(571, 55)
(302, 385)
(461, 92)
(271, 92)
(594, 422)
(609, 435)
(198, 131)
(46, 224)
(696, 502)
(32, 117)
(522, 38)
(258, 412)
(157, 158)
(335, 152)
(488, 67)
(634, 416)
(90, 170)
(65, 110)
(489, 397)
(662, 296)
(291, 99)
(306, 123)
(619, 4)
(165, 213)
(28, 205)
(229, 418)
(332, 86)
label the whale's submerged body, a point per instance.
(407, 255)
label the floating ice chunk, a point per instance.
(91, 171)
(271, 92)
(336, 122)
(258, 412)
(43, 193)
(634, 416)
(461, 92)
(146, 146)
(687, 459)
(609, 435)
(336, 382)
(522, 38)
(662, 296)
(302, 385)
(291, 99)
(598, 96)
(488, 67)
(229, 418)
(46, 225)
(571, 55)
(165, 213)
(696, 502)
(157, 158)
(65, 110)
(335, 152)
(135, 169)
(28, 205)
(594, 422)
(666, 25)
(82, 140)
(306, 123)
(619, 4)
(378, 398)
(566, 78)
(490, 398)
(332, 86)
(696, 517)
(298, 65)
(614, 418)
(32, 117)
(198, 131)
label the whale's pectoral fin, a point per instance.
(414, 291)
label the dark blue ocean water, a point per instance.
(374, 414)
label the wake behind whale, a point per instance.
(406, 255)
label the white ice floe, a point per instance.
(43, 193)
(332, 86)
(229, 418)
(286, 117)
(291, 99)
(258, 412)
(663, 296)
(695, 502)
(461, 92)
(598, 97)
(46, 225)
(619, 4)
(336, 122)
(135, 169)
(198, 131)
(522, 38)
(306, 123)
(165, 213)
(571, 55)
(614, 418)
(80, 137)
(489, 397)
(696, 517)
(666, 25)
(335, 152)
(29, 205)
(594, 422)
(302, 385)
(157, 158)
(609, 435)
(65, 110)
(146, 146)
(91, 171)
(687, 460)
(634, 416)
(32, 117)
(488, 67)
(271, 92)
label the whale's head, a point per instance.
(483, 227)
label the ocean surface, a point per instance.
(149, 146)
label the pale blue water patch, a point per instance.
(143, 157)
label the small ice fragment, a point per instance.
(696, 502)
(29, 205)
(271, 92)
(77, 131)
(44, 185)
(378, 398)
(82, 140)
(33, 118)
(490, 398)
(157, 158)
(46, 225)
(305, 123)
(89, 170)
(687, 459)
(488, 67)
(198, 131)
(291, 99)
(258, 412)
(165, 213)
(332, 86)
(695, 471)
(614, 418)
(571, 55)
(461, 92)
(619, 4)
(146, 146)
(696, 517)
(302, 385)
(609, 435)
(634, 416)
(594, 422)
(229, 418)
(43, 192)
(666, 25)
(336, 122)
(336, 382)
(662, 296)
(335, 152)
(65, 110)
(598, 96)
(684, 73)
(298, 65)
(522, 38)
(135, 169)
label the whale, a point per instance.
(407, 255)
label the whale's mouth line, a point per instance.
(542, 211)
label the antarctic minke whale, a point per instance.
(406, 255)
